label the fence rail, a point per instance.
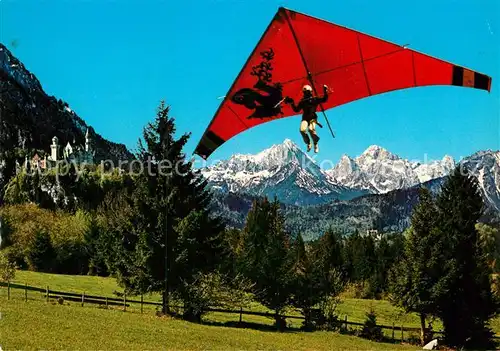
(124, 302)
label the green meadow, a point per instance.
(37, 324)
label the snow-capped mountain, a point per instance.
(286, 172)
(387, 212)
(282, 170)
(485, 166)
(379, 171)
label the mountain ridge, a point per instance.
(387, 210)
(282, 170)
(31, 118)
(380, 171)
(285, 170)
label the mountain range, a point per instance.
(285, 171)
(375, 190)
(380, 171)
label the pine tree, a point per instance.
(416, 275)
(95, 248)
(306, 290)
(384, 260)
(40, 253)
(326, 278)
(173, 235)
(360, 259)
(464, 296)
(370, 329)
(330, 249)
(265, 258)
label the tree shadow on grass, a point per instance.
(251, 325)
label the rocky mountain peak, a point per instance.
(376, 152)
(378, 170)
(283, 170)
(15, 70)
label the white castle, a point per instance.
(78, 154)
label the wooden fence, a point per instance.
(125, 302)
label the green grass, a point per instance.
(40, 325)
(387, 314)
(91, 285)
(355, 309)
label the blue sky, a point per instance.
(113, 61)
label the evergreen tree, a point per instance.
(233, 241)
(94, 247)
(173, 234)
(265, 258)
(306, 287)
(327, 263)
(330, 248)
(464, 297)
(370, 329)
(326, 279)
(415, 276)
(40, 253)
(384, 260)
(360, 259)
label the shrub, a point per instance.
(212, 290)
(370, 329)
(326, 317)
(7, 267)
(40, 253)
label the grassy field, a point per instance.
(135, 330)
(39, 325)
(355, 309)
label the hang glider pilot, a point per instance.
(308, 104)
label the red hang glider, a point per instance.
(298, 49)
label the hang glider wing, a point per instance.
(298, 49)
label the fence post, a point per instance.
(142, 299)
(47, 296)
(83, 298)
(392, 331)
(8, 290)
(124, 302)
(345, 322)
(106, 302)
(241, 313)
(26, 292)
(402, 337)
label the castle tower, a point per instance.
(54, 149)
(87, 141)
(68, 150)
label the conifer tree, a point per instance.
(306, 290)
(416, 275)
(40, 253)
(265, 258)
(464, 297)
(173, 235)
(330, 249)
